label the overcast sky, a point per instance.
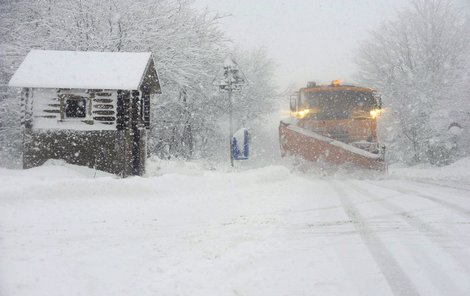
(308, 39)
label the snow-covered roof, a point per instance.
(83, 70)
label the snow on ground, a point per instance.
(456, 172)
(193, 229)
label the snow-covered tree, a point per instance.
(417, 63)
(187, 46)
(10, 115)
(188, 49)
(258, 96)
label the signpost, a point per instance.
(230, 78)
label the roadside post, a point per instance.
(230, 79)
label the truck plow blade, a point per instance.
(312, 146)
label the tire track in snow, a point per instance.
(397, 280)
(436, 184)
(413, 220)
(456, 208)
(427, 230)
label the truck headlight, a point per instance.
(375, 113)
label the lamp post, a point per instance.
(230, 78)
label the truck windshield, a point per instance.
(340, 104)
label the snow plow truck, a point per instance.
(336, 124)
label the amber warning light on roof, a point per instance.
(336, 82)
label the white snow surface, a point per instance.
(458, 172)
(196, 229)
(81, 70)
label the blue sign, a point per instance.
(240, 145)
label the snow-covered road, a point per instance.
(264, 231)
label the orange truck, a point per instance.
(334, 123)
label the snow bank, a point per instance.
(458, 172)
(159, 167)
(240, 174)
(54, 169)
(244, 172)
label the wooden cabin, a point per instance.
(87, 108)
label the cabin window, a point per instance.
(74, 106)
